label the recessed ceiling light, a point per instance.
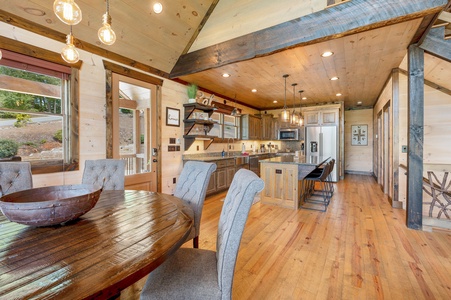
(254, 90)
(275, 101)
(157, 7)
(338, 94)
(304, 98)
(334, 78)
(226, 75)
(327, 54)
(359, 103)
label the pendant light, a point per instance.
(69, 52)
(106, 33)
(301, 118)
(294, 114)
(67, 11)
(285, 115)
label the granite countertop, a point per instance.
(302, 160)
(208, 158)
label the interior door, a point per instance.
(134, 131)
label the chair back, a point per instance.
(192, 186)
(245, 185)
(15, 177)
(112, 170)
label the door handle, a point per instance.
(154, 160)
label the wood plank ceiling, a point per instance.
(362, 60)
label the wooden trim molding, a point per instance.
(36, 52)
(336, 22)
(118, 69)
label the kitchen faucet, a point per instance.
(228, 146)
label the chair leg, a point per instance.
(196, 242)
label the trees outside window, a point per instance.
(35, 112)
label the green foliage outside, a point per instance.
(27, 102)
(8, 148)
(21, 120)
(58, 136)
(7, 115)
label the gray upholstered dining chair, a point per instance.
(15, 177)
(112, 170)
(191, 188)
(204, 274)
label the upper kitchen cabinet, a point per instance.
(320, 116)
(269, 127)
(251, 128)
(198, 124)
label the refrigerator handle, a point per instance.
(320, 144)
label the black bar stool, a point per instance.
(318, 199)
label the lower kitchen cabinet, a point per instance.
(211, 188)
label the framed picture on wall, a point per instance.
(172, 117)
(359, 135)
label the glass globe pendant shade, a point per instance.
(301, 120)
(285, 116)
(69, 52)
(106, 33)
(67, 11)
(294, 118)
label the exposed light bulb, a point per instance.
(69, 52)
(106, 33)
(67, 11)
(1, 54)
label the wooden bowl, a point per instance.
(50, 205)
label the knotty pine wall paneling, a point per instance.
(357, 157)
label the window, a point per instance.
(35, 112)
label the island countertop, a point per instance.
(310, 160)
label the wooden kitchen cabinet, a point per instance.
(268, 125)
(251, 128)
(321, 117)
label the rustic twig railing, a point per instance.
(440, 192)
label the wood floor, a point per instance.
(359, 249)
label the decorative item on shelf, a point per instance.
(301, 118)
(192, 92)
(106, 33)
(206, 100)
(285, 115)
(67, 11)
(69, 52)
(294, 114)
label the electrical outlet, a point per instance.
(404, 148)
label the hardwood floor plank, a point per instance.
(359, 249)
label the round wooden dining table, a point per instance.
(122, 239)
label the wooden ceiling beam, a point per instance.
(334, 22)
(435, 44)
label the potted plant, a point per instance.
(192, 92)
(8, 150)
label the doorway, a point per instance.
(134, 134)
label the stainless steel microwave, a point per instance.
(291, 134)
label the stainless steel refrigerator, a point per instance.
(323, 141)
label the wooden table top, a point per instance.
(122, 239)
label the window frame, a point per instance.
(70, 112)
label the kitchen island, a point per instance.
(282, 176)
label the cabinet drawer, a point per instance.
(224, 163)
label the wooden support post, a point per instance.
(415, 137)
